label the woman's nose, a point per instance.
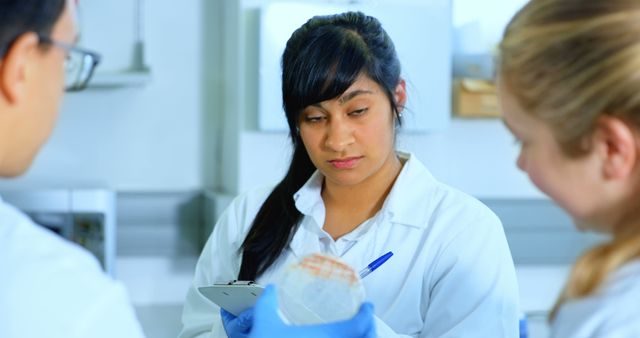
(339, 136)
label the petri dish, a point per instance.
(318, 289)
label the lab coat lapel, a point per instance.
(304, 242)
(308, 201)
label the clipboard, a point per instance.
(234, 296)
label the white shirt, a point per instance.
(451, 274)
(52, 288)
(612, 312)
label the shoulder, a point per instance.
(452, 202)
(236, 219)
(45, 273)
(625, 281)
(611, 312)
(621, 293)
(440, 205)
(244, 207)
(34, 249)
(459, 225)
(251, 200)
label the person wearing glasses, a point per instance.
(48, 287)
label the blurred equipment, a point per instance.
(475, 98)
(86, 217)
(477, 66)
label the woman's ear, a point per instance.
(615, 141)
(14, 67)
(400, 94)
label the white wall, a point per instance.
(477, 156)
(479, 24)
(142, 138)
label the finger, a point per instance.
(365, 312)
(245, 319)
(361, 325)
(366, 317)
(226, 315)
(266, 309)
(268, 301)
(364, 320)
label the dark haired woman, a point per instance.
(348, 192)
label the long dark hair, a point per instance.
(321, 60)
(21, 16)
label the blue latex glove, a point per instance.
(237, 327)
(267, 323)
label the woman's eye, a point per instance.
(358, 112)
(313, 119)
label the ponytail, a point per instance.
(277, 219)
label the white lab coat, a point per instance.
(52, 288)
(451, 274)
(612, 312)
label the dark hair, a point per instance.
(321, 60)
(21, 16)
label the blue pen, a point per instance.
(375, 264)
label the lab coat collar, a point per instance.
(309, 202)
(308, 199)
(397, 208)
(413, 177)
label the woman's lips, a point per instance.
(345, 163)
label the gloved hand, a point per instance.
(267, 322)
(237, 327)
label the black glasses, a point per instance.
(79, 64)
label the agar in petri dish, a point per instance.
(320, 289)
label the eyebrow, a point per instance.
(353, 94)
(342, 100)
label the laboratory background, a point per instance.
(184, 113)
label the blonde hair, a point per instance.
(568, 62)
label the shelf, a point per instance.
(112, 80)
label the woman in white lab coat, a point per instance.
(349, 193)
(570, 90)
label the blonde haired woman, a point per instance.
(570, 88)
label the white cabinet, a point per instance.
(421, 32)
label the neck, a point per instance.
(628, 225)
(625, 219)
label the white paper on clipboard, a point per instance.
(234, 296)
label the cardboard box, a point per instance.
(475, 98)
